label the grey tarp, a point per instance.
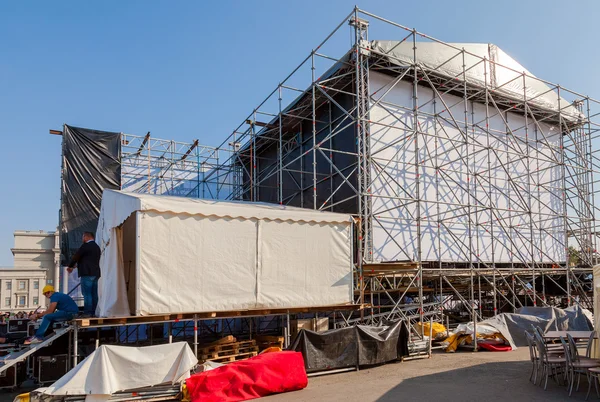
(513, 326)
(349, 347)
(91, 163)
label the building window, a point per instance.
(49, 281)
(36, 301)
(22, 285)
(21, 300)
(7, 301)
(8, 285)
(36, 284)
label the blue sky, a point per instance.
(185, 70)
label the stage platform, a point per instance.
(211, 315)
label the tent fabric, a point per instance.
(110, 369)
(259, 376)
(499, 71)
(353, 346)
(90, 164)
(197, 255)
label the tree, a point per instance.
(573, 256)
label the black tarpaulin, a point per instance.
(348, 347)
(91, 163)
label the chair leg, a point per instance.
(572, 382)
(589, 389)
(532, 371)
(578, 379)
(596, 379)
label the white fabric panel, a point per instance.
(504, 196)
(498, 71)
(316, 271)
(116, 368)
(112, 290)
(195, 263)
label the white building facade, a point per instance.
(36, 262)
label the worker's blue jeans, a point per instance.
(89, 290)
(48, 319)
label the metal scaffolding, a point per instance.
(527, 238)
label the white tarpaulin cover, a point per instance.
(110, 369)
(197, 255)
(484, 64)
(445, 188)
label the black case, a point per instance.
(50, 368)
(14, 376)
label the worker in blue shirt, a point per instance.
(62, 308)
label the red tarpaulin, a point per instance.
(265, 374)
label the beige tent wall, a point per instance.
(196, 263)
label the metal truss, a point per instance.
(309, 144)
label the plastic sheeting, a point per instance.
(90, 165)
(446, 192)
(196, 255)
(512, 326)
(351, 347)
(116, 368)
(499, 71)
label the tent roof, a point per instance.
(117, 206)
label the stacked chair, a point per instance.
(562, 361)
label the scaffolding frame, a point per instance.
(305, 172)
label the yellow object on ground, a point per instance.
(185, 393)
(438, 330)
(455, 340)
(22, 398)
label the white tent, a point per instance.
(165, 254)
(110, 369)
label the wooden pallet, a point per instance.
(229, 352)
(226, 346)
(268, 341)
(233, 358)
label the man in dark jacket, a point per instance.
(87, 259)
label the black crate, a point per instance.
(15, 326)
(14, 376)
(50, 368)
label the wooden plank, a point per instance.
(232, 358)
(228, 346)
(227, 339)
(225, 353)
(269, 338)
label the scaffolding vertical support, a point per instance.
(75, 344)
(280, 149)
(196, 335)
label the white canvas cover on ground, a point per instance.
(110, 369)
(197, 255)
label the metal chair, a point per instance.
(590, 344)
(593, 375)
(533, 356)
(576, 364)
(550, 364)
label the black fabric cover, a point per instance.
(348, 347)
(91, 163)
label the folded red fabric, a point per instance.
(263, 375)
